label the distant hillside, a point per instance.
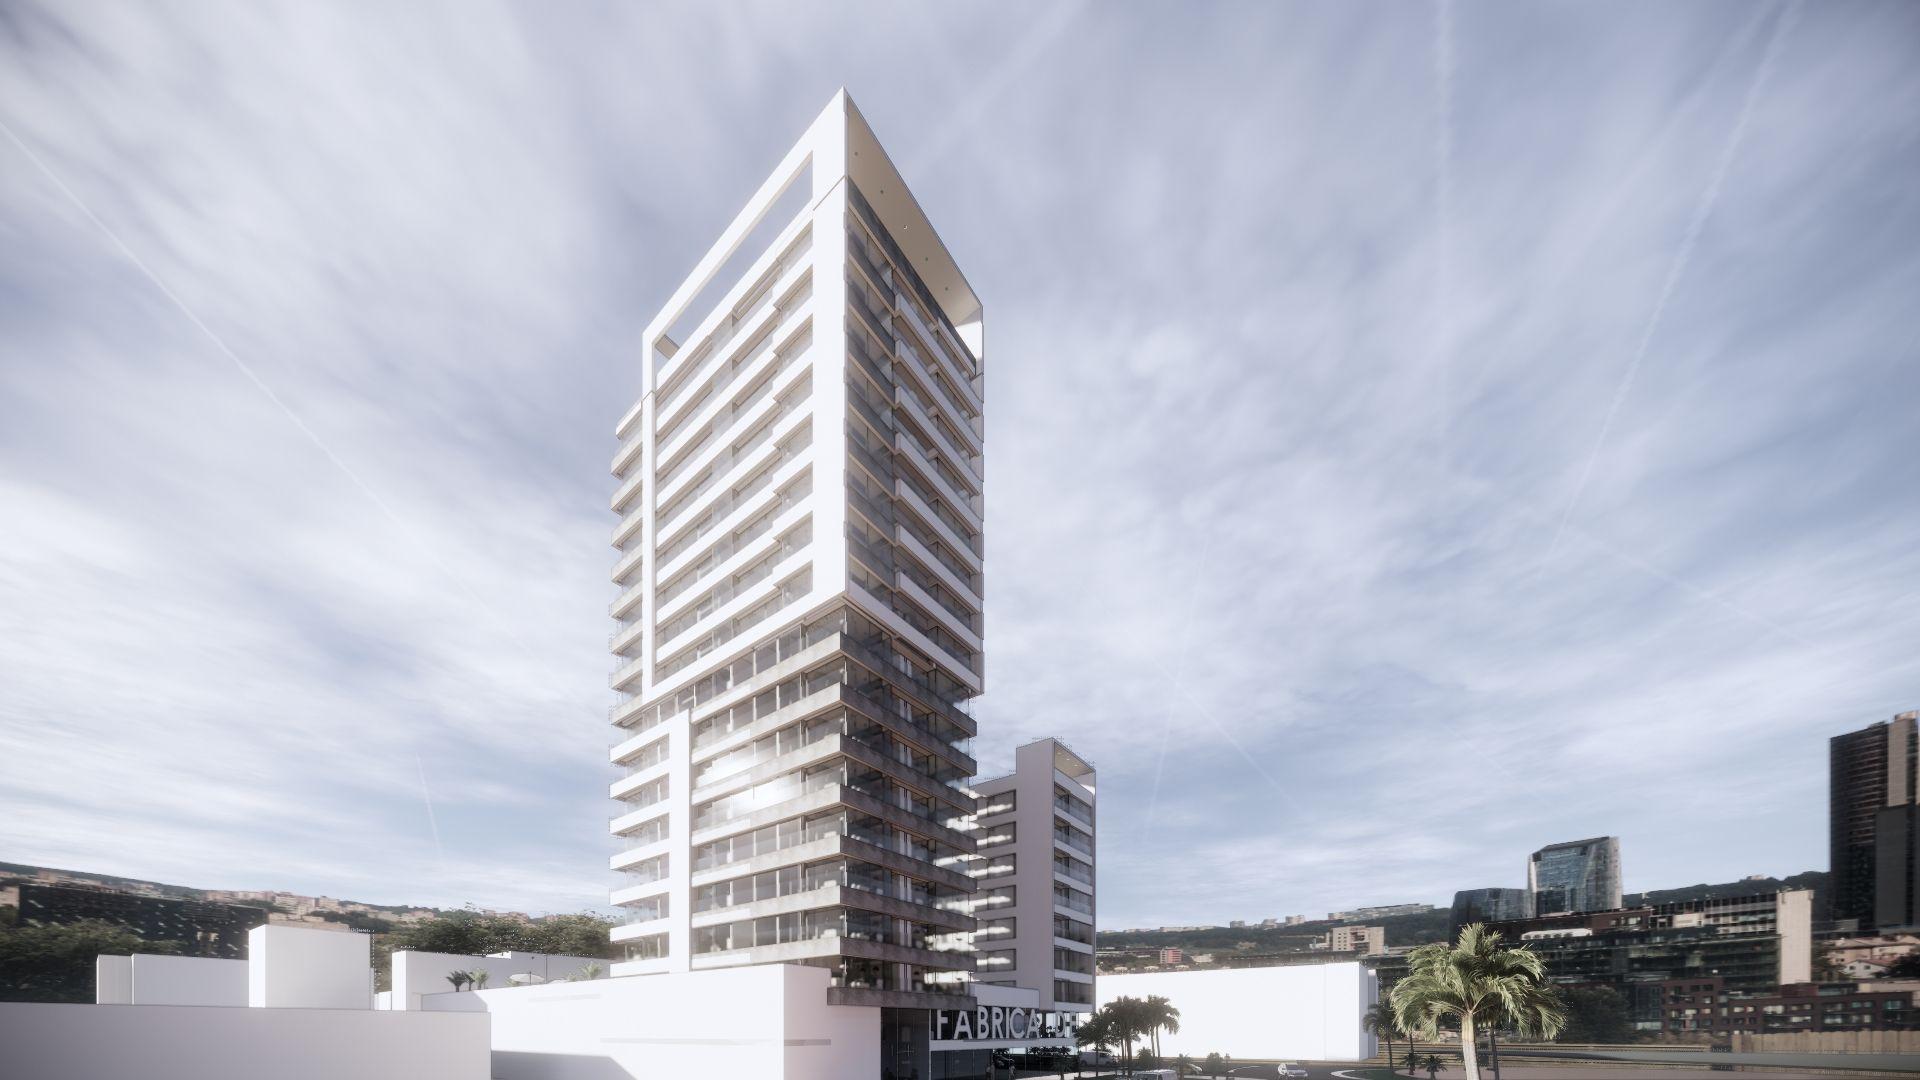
(1817, 880)
(1416, 929)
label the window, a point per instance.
(998, 835)
(647, 909)
(651, 947)
(995, 930)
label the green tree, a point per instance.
(478, 977)
(459, 980)
(1379, 1021)
(1129, 1019)
(1596, 1014)
(1160, 1015)
(1182, 1064)
(1096, 1032)
(571, 935)
(1476, 981)
(56, 962)
(1214, 1065)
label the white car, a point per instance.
(1288, 1068)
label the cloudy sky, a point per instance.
(1415, 434)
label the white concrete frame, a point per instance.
(770, 300)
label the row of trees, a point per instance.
(1123, 1022)
(56, 962)
(478, 977)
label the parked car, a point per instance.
(1282, 1071)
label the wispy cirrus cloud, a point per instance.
(1243, 507)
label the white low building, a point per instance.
(1304, 1012)
(298, 1008)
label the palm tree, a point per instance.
(1183, 1064)
(1123, 1022)
(479, 978)
(1379, 1022)
(1096, 1031)
(458, 979)
(1160, 1016)
(1475, 980)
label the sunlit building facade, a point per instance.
(797, 627)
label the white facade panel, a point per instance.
(172, 1042)
(291, 967)
(1295, 1013)
(188, 980)
(767, 1021)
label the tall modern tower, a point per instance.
(1873, 807)
(798, 626)
(1580, 875)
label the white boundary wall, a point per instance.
(171, 1042)
(1308, 1012)
(188, 980)
(112, 980)
(416, 974)
(766, 1021)
(290, 967)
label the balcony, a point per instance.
(745, 597)
(628, 634)
(905, 493)
(637, 892)
(959, 624)
(759, 451)
(942, 347)
(630, 930)
(628, 525)
(922, 458)
(619, 752)
(924, 415)
(627, 490)
(630, 561)
(730, 511)
(676, 377)
(682, 483)
(639, 778)
(712, 421)
(942, 569)
(629, 451)
(628, 599)
(627, 672)
(923, 373)
(639, 815)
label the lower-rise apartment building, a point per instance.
(1034, 876)
(1750, 944)
(1704, 1006)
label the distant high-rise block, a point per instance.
(1488, 905)
(797, 631)
(1873, 796)
(1580, 875)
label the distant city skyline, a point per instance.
(1410, 448)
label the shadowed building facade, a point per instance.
(1873, 793)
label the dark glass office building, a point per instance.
(1873, 832)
